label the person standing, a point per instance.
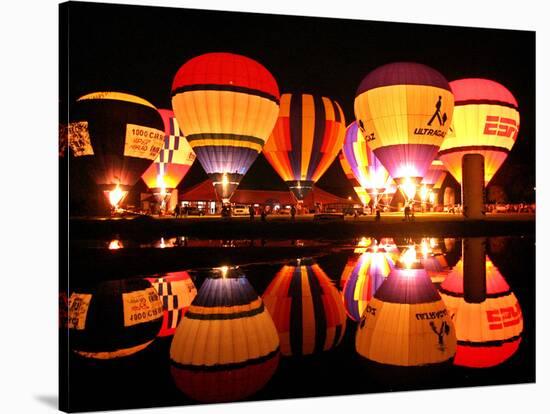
(251, 212)
(292, 212)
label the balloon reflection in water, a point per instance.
(114, 318)
(226, 347)
(363, 275)
(176, 291)
(306, 308)
(488, 333)
(434, 263)
(406, 322)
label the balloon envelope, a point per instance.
(174, 159)
(306, 308)
(488, 333)
(114, 137)
(306, 139)
(226, 348)
(227, 104)
(359, 190)
(366, 168)
(404, 110)
(176, 291)
(486, 121)
(406, 322)
(114, 319)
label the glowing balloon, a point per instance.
(306, 308)
(176, 291)
(488, 333)
(366, 168)
(486, 122)
(227, 104)
(306, 139)
(359, 190)
(406, 322)
(365, 276)
(226, 347)
(114, 137)
(404, 111)
(174, 159)
(433, 179)
(114, 319)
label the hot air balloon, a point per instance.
(226, 347)
(114, 319)
(227, 104)
(406, 322)
(114, 137)
(306, 139)
(306, 308)
(366, 168)
(365, 277)
(432, 181)
(432, 260)
(489, 332)
(485, 121)
(404, 111)
(359, 190)
(174, 159)
(176, 291)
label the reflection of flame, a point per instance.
(225, 180)
(162, 185)
(408, 187)
(162, 244)
(408, 258)
(115, 244)
(425, 249)
(115, 196)
(362, 244)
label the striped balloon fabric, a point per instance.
(366, 168)
(486, 122)
(359, 190)
(227, 104)
(306, 139)
(174, 159)
(176, 291)
(366, 275)
(488, 333)
(306, 308)
(226, 348)
(404, 110)
(435, 175)
(406, 323)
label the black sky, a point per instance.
(138, 49)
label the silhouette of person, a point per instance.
(437, 113)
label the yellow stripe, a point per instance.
(284, 108)
(308, 128)
(225, 142)
(206, 310)
(117, 96)
(114, 354)
(329, 109)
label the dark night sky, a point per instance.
(138, 49)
